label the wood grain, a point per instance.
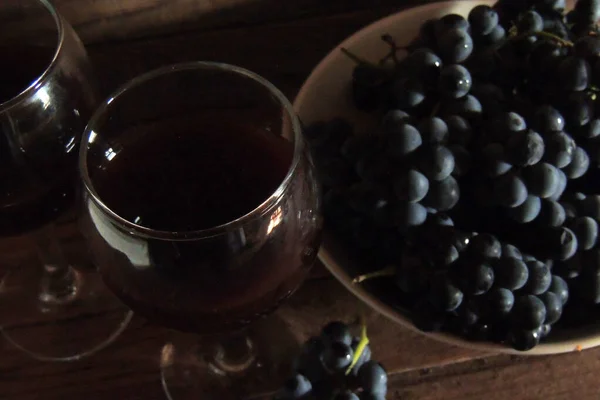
(282, 45)
(104, 20)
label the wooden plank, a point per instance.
(286, 61)
(565, 376)
(102, 20)
(131, 364)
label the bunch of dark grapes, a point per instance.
(488, 124)
(388, 181)
(335, 366)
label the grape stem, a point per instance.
(357, 59)
(389, 271)
(547, 35)
(393, 49)
(362, 344)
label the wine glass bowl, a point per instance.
(47, 94)
(46, 98)
(201, 207)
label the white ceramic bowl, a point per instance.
(326, 94)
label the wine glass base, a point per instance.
(83, 324)
(244, 366)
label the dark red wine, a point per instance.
(38, 139)
(189, 178)
(194, 178)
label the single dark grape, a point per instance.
(550, 6)
(373, 167)
(403, 140)
(577, 109)
(442, 195)
(510, 191)
(409, 214)
(539, 278)
(462, 160)
(545, 330)
(555, 25)
(444, 295)
(450, 22)
(551, 214)
(485, 246)
(459, 130)
(590, 130)
(511, 273)
(411, 185)
(587, 47)
(296, 387)
(494, 161)
(433, 130)
(548, 119)
(407, 93)
(541, 179)
(334, 171)
(500, 302)
(483, 19)
(529, 312)
(562, 180)
(589, 278)
(358, 146)
(455, 46)
(525, 149)
(427, 33)
(586, 231)
(476, 278)
(559, 149)
(526, 212)
(580, 163)
(553, 306)
(588, 11)
(424, 64)
(524, 339)
(372, 377)
(468, 107)
(337, 356)
(560, 288)
(346, 395)
(436, 162)
(490, 96)
(510, 251)
(544, 58)
(590, 206)
(562, 243)
(336, 331)
(530, 22)
(394, 119)
(441, 219)
(461, 240)
(455, 81)
(364, 197)
(510, 122)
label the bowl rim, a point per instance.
(585, 341)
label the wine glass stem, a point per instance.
(59, 280)
(233, 355)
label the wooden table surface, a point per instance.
(282, 43)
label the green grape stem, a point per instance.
(362, 344)
(386, 272)
(547, 35)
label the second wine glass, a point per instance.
(201, 209)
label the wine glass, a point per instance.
(201, 209)
(47, 95)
